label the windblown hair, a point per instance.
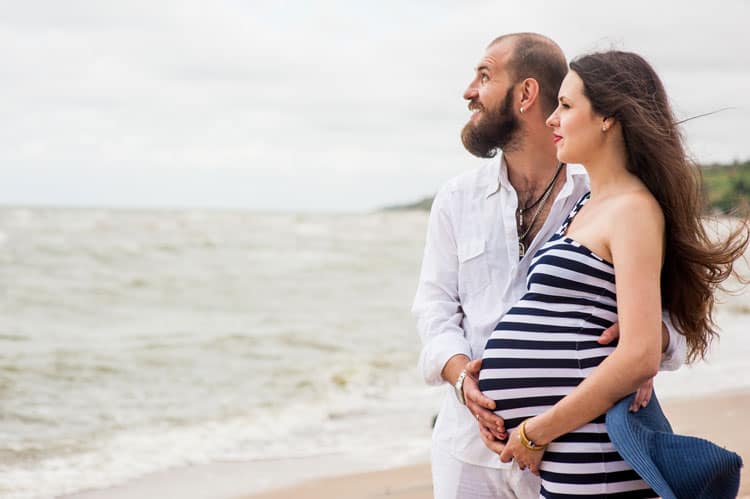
(536, 56)
(624, 86)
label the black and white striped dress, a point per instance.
(545, 346)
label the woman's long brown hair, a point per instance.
(624, 86)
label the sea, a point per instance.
(136, 341)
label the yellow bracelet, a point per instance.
(525, 440)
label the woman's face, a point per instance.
(577, 130)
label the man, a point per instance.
(484, 228)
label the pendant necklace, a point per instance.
(541, 201)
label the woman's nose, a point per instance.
(552, 120)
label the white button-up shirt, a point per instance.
(471, 275)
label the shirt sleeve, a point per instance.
(676, 353)
(436, 304)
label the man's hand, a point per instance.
(610, 334)
(643, 395)
(481, 407)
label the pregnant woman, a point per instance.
(631, 246)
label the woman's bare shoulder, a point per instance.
(636, 207)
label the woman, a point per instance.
(631, 246)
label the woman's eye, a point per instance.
(565, 106)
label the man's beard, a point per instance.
(496, 129)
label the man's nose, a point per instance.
(471, 92)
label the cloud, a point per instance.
(342, 96)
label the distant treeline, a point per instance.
(727, 187)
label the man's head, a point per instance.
(519, 70)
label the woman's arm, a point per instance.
(636, 242)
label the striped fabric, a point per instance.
(544, 347)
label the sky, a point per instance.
(308, 105)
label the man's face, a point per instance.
(493, 124)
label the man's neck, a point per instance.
(531, 167)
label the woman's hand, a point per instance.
(490, 441)
(524, 457)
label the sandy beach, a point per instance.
(722, 419)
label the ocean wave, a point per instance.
(134, 341)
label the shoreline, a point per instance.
(720, 418)
(234, 479)
(406, 482)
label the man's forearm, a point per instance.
(453, 367)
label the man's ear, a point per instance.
(529, 91)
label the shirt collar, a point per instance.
(574, 175)
(499, 177)
(574, 169)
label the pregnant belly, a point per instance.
(526, 377)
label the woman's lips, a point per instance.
(556, 138)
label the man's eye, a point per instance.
(484, 78)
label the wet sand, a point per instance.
(723, 419)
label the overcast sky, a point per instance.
(307, 105)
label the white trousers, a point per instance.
(454, 479)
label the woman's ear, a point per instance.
(608, 123)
